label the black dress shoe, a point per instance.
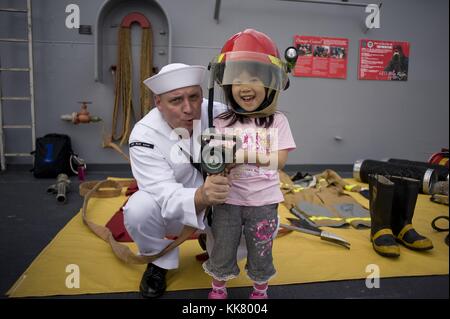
(153, 282)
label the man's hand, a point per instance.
(213, 192)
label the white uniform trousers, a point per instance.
(146, 226)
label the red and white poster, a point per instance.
(321, 57)
(383, 60)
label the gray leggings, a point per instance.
(259, 225)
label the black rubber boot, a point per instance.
(405, 198)
(381, 192)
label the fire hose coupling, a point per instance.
(60, 188)
(216, 152)
(83, 116)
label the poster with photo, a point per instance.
(383, 60)
(321, 57)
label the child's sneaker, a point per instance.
(218, 294)
(259, 294)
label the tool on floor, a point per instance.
(60, 188)
(304, 225)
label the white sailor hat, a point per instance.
(175, 76)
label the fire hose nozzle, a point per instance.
(60, 188)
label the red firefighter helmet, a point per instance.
(254, 49)
(256, 53)
(251, 40)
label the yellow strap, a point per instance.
(384, 231)
(109, 188)
(349, 220)
(285, 185)
(404, 231)
(313, 218)
(276, 61)
(220, 57)
(350, 187)
(292, 188)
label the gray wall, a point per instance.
(375, 119)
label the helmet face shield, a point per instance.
(249, 68)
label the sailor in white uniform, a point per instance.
(172, 192)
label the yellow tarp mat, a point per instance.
(299, 258)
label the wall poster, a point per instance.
(383, 60)
(321, 57)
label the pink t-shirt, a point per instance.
(252, 185)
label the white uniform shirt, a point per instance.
(171, 182)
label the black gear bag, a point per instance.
(52, 156)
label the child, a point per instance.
(251, 75)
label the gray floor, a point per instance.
(31, 218)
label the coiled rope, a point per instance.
(123, 104)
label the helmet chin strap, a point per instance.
(210, 107)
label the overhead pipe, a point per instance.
(343, 3)
(217, 10)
